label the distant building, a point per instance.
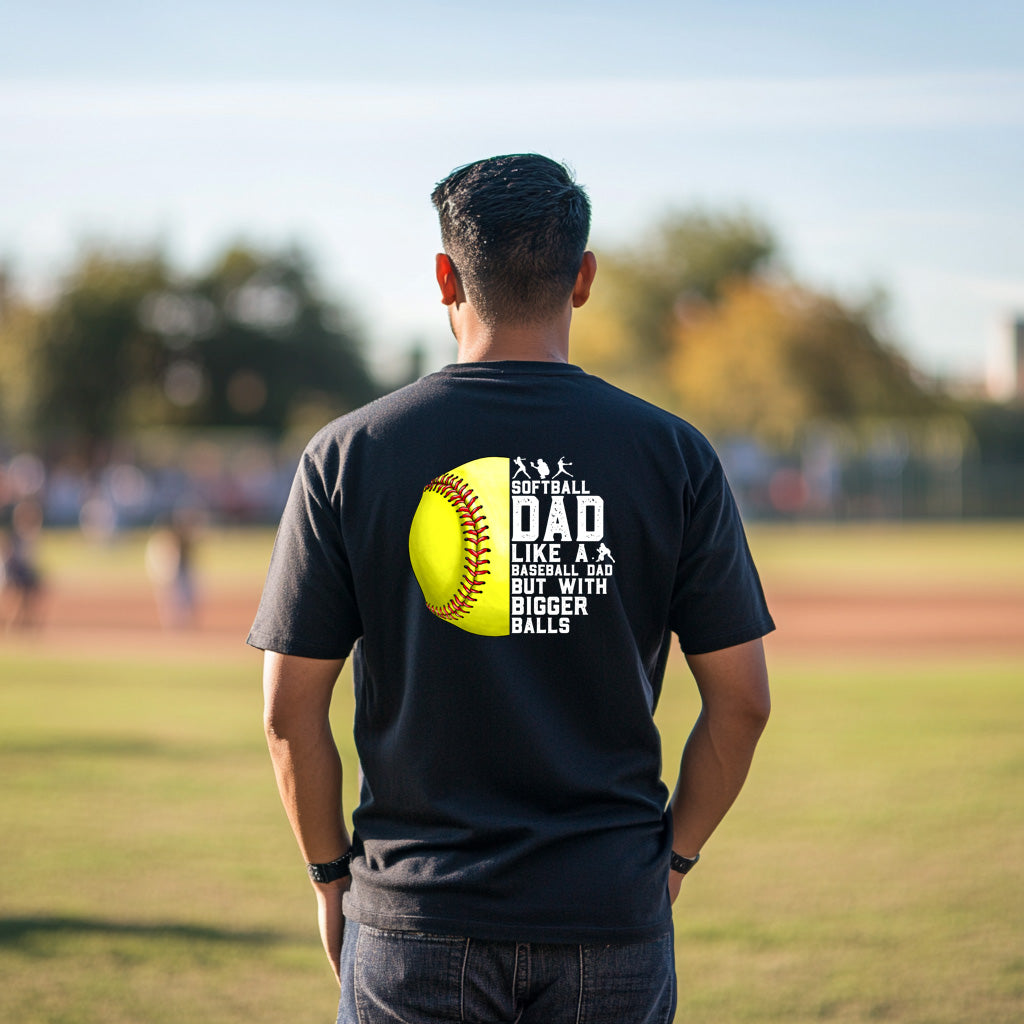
(1017, 336)
(1005, 376)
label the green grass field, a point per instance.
(871, 870)
(866, 555)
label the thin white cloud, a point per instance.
(931, 101)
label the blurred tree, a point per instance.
(769, 358)
(628, 329)
(701, 319)
(252, 343)
(88, 351)
(125, 344)
(18, 327)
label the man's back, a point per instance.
(507, 546)
(493, 764)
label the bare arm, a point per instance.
(733, 685)
(296, 702)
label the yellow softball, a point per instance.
(459, 546)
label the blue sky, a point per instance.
(883, 142)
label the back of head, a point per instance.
(515, 229)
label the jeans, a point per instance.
(392, 977)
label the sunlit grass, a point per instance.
(918, 555)
(870, 870)
(148, 872)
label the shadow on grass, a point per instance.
(87, 746)
(21, 932)
(69, 748)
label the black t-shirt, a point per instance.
(508, 547)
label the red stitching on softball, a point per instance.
(468, 508)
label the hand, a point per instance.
(675, 883)
(332, 919)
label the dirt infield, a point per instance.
(912, 622)
(905, 621)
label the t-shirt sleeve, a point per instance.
(309, 607)
(717, 599)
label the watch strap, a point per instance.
(682, 864)
(331, 872)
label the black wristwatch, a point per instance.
(682, 864)
(340, 868)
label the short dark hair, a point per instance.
(515, 228)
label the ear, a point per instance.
(446, 279)
(584, 279)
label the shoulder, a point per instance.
(371, 420)
(377, 442)
(665, 426)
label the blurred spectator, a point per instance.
(22, 581)
(170, 564)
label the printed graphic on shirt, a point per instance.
(498, 556)
(560, 563)
(459, 544)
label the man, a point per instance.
(512, 856)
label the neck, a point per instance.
(546, 342)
